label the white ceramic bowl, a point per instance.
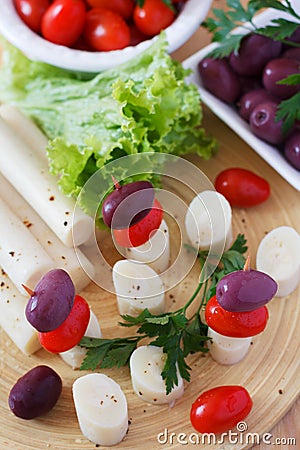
(38, 49)
(230, 116)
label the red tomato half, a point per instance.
(69, 333)
(140, 232)
(106, 30)
(63, 21)
(122, 7)
(242, 188)
(153, 17)
(220, 409)
(31, 12)
(235, 324)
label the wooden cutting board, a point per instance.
(270, 371)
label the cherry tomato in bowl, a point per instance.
(153, 17)
(122, 7)
(242, 188)
(31, 12)
(63, 21)
(220, 409)
(69, 333)
(105, 30)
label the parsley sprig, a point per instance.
(175, 332)
(279, 29)
(237, 15)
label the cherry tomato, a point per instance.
(242, 188)
(153, 17)
(220, 409)
(136, 36)
(140, 232)
(235, 324)
(69, 333)
(31, 12)
(106, 30)
(63, 21)
(122, 7)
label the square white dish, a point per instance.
(229, 115)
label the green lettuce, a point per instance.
(144, 105)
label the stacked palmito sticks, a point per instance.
(36, 225)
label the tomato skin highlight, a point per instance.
(31, 12)
(219, 409)
(63, 22)
(70, 332)
(235, 324)
(122, 7)
(153, 17)
(140, 232)
(105, 30)
(242, 188)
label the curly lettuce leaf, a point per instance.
(144, 105)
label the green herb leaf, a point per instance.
(279, 30)
(284, 5)
(194, 336)
(230, 44)
(106, 353)
(289, 111)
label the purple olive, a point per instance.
(51, 302)
(218, 77)
(295, 36)
(245, 290)
(254, 52)
(263, 124)
(292, 53)
(292, 149)
(275, 71)
(128, 204)
(251, 99)
(35, 393)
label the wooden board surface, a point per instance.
(270, 371)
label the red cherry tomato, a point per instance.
(31, 12)
(69, 333)
(153, 17)
(242, 188)
(106, 30)
(140, 232)
(63, 21)
(219, 409)
(136, 36)
(122, 7)
(235, 324)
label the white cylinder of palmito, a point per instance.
(278, 255)
(146, 364)
(208, 221)
(137, 287)
(29, 174)
(155, 252)
(227, 350)
(101, 409)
